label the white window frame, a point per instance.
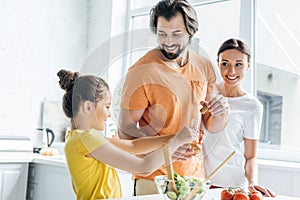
(247, 32)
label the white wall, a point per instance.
(99, 31)
(106, 30)
(37, 38)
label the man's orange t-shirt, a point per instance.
(171, 99)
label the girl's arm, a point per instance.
(141, 145)
(123, 160)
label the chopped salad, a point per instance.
(184, 186)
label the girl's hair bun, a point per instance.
(67, 79)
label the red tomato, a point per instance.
(255, 195)
(226, 195)
(239, 195)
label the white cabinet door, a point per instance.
(13, 181)
(48, 182)
(126, 182)
(56, 184)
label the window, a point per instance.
(270, 28)
(208, 38)
(271, 125)
(278, 73)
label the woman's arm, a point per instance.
(251, 168)
(141, 145)
(120, 159)
(251, 162)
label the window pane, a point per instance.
(143, 3)
(142, 39)
(217, 23)
(214, 26)
(209, 37)
(278, 70)
(277, 62)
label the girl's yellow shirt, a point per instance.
(91, 179)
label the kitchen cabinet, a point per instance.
(126, 183)
(13, 181)
(49, 182)
(48, 179)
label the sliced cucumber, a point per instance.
(171, 195)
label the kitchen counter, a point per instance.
(12, 157)
(61, 162)
(213, 194)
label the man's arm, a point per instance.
(127, 125)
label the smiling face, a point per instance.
(233, 66)
(172, 36)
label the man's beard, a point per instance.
(172, 56)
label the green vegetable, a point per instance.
(172, 195)
(184, 185)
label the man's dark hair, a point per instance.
(169, 9)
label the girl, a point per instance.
(243, 128)
(92, 158)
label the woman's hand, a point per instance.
(265, 191)
(217, 105)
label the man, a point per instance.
(168, 86)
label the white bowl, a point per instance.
(184, 186)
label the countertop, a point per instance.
(32, 157)
(213, 194)
(59, 160)
(11, 157)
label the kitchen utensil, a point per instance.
(216, 170)
(194, 191)
(195, 143)
(169, 167)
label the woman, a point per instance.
(243, 128)
(91, 157)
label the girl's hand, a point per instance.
(184, 152)
(186, 135)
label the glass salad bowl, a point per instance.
(190, 188)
